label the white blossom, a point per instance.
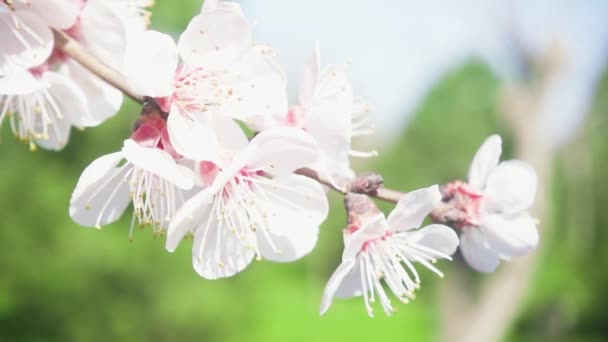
(380, 250)
(253, 205)
(495, 202)
(222, 73)
(152, 177)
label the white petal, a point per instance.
(335, 282)
(212, 261)
(24, 46)
(189, 217)
(103, 32)
(21, 82)
(194, 139)
(436, 237)
(215, 38)
(510, 236)
(413, 207)
(159, 163)
(310, 77)
(68, 104)
(59, 14)
(329, 115)
(252, 88)
(485, 161)
(103, 100)
(293, 208)
(150, 63)
(101, 195)
(475, 251)
(511, 187)
(372, 228)
(280, 151)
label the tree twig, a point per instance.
(73, 49)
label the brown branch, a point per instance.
(73, 49)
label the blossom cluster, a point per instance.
(190, 169)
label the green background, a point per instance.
(59, 281)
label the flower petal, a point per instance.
(216, 37)
(193, 138)
(158, 162)
(59, 14)
(26, 41)
(20, 82)
(220, 256)
(413, 207)
(485, 161)
(103, 100)
(102, 194)
(189, 217)
(253, 88)
(510, 236)
(335, 282)
(436, 237)
(293, 207)
(475, 251)
(310, 77)
(150, 63)
(372, 228)
(280, 151)
(511, 187)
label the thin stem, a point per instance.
(73, 49)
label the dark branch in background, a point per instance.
(73, 49)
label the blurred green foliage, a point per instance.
(62, 282)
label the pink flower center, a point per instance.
(187, 90)
(295, 117)
(468, 201)
(371, 242)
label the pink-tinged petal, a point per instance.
(511, 187)
(292, 209)
(215, 38)
(311, 76)
(335, 282)
(158, 162)
(193, 138)
(372, 228)
(26, 41)
(413, 207)
(59, 14)
(21, 82)
(485, 161)
(436, 237)
(103, 100)
(510, 236)
(476, 252)
(252, 88)
(103, 32)
(102, 193)
(188, 218)
(150, 63)
(218, 253)
(280, 151)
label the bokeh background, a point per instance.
(441, 76)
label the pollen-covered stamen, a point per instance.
(194, 89)
(155, 200)
(32, 116)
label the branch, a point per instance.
(73, 49)
(78, 53)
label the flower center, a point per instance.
(464, 199)
(151, 131)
